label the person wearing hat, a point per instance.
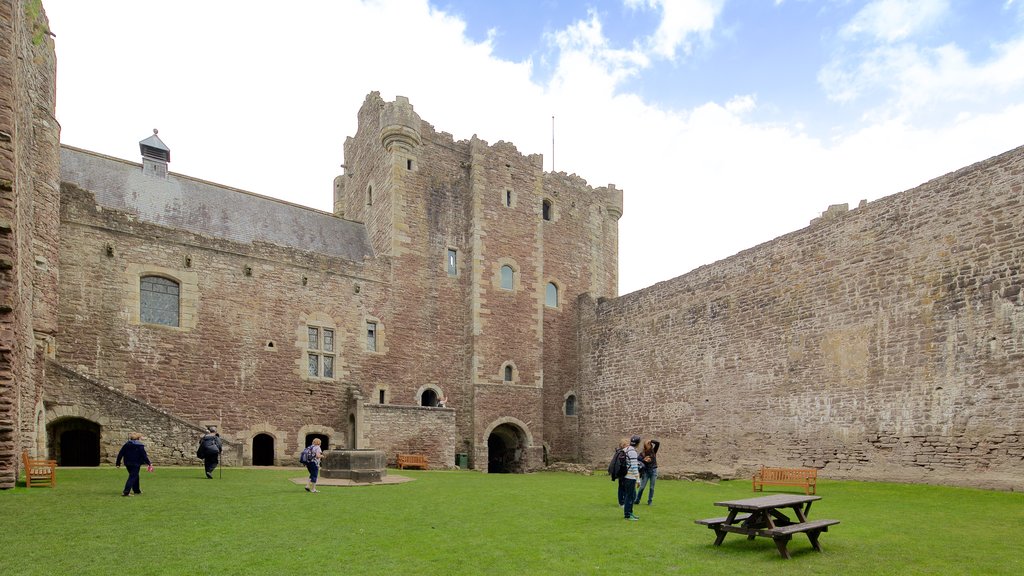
(632, 475)
(210, 447)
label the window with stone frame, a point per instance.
(371, 336)
(159, 301)
(507, 277)
(320, 352)
(551, 295)
(453, 262)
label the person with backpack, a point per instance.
(628, 485)
(210, 447)
(311, 458)
(617, 469)
(133, 453)
(649, 458)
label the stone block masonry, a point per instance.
(883, 343)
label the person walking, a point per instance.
(210, 448)
(649, 457)
(632, 475)
(313, 455)
(133, 453)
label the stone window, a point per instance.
(551, 295)
(158, 300)
(408, 164)
(371, 336)
(546, 209)
(381, 397)
(507, 277)
(508, 373)
(508, 198)
(570, 405)
(453, 263)
(320, 352)
(369, 195)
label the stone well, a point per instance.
(354, 465)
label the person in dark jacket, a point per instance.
(649, 456)
(210, 447)
(133, 453)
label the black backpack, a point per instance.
(619, 465)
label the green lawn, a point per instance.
(255, 521)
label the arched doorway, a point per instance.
(263, 450)
(325, 440)
(74, 442)
(505, 448)
(428, 398)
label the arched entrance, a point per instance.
(428, 398)
(505, 448)
(74, 442)
(325, 440)
(263, 450)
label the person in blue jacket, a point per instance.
(134, 455)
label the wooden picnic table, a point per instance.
(767, 516)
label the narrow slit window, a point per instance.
(371, 336)
(545, 209)
(453, 263)
(508, 373)
(508, 198)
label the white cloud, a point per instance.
(680, 20)
(895, 20)
(700, 184)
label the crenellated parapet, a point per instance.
(399, 125)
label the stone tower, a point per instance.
(498, 252)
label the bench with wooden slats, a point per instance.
(39, 471)
(412, 461)
(807, 478)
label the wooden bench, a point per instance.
(783, 534)
(713, 522)
(412, 461)
(39, 471)
(805, 477)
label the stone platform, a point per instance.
(387, 480)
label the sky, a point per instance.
(726, 123)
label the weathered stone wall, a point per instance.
(414, 430)
(455, 333)
(237, 358)
(169, 441)
(883, 343)
(28, 224)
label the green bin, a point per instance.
(462, 460)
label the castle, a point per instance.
(880, 343)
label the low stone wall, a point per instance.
(413, 430)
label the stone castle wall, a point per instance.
(237, 358)
(455, 333)
(29, 205)
(414, 430)
(884, 343)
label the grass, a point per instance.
(255, 521)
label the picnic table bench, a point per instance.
(805, 477)
(412, 461)
(39, 471)
(765, 516)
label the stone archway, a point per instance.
(263, 450)
(74, 441)
(506, 448)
